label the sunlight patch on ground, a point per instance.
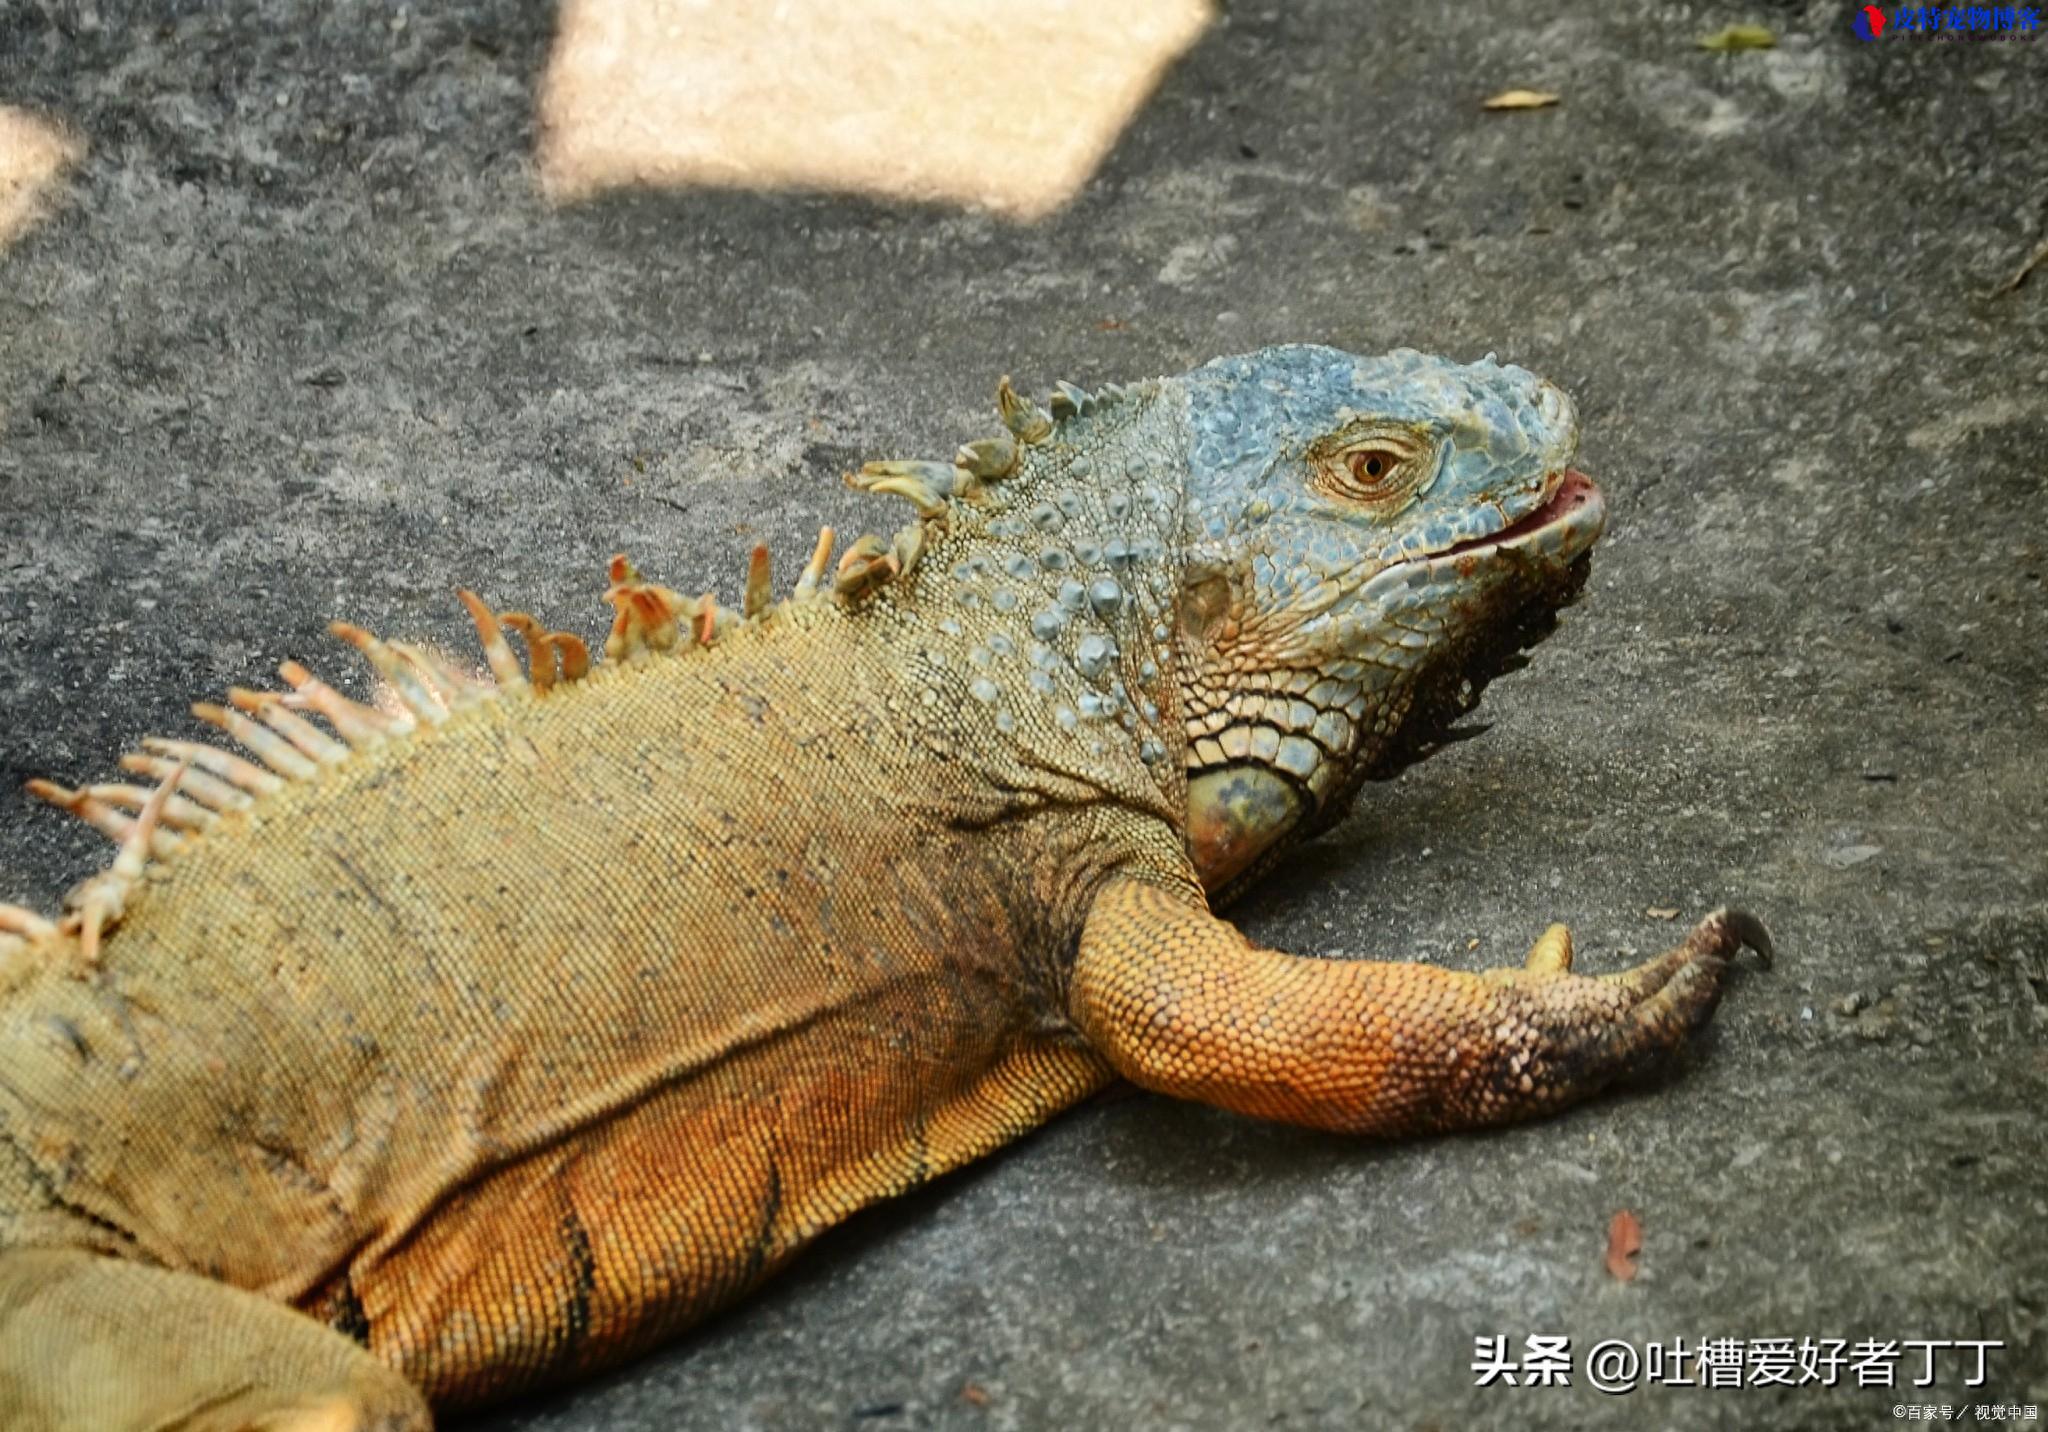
(33, 152)
(973, 102)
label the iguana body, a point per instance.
(511, 1035)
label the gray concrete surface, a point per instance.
(303, 342)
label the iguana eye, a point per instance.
(1372, 465)
(1381, 472)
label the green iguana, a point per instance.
(483, 1038)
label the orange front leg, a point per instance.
(1180, 1002)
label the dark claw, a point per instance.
(1747, 930)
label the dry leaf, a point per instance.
(1624, 1243)
(1739, 37)
(1657, 913)
(1521, 99)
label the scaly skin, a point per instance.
(508, 1038)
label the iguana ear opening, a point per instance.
(1204, 601)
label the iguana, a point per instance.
(485, 1036)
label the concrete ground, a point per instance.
(299, 338)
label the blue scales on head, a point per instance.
(1383, 535)
(1239, 593)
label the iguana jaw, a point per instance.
(1506, 587)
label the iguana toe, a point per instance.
(1552, 952)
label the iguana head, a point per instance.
(1369, 541)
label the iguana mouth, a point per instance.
(1562, 530)
(1574, 504)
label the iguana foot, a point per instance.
(1559, 1035)
(91, 1342)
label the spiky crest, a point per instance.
(196, 785)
